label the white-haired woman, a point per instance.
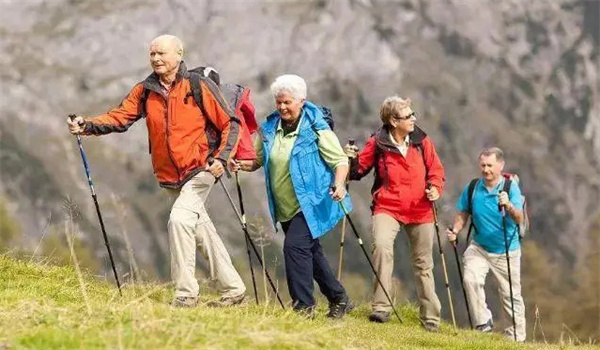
(408, 176)
(305, 168)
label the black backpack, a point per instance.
(327, 115)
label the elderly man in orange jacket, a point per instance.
(408, 176)
(183, 145)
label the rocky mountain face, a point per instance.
(521, 75)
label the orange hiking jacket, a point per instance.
(181, 139)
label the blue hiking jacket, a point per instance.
(311, 176)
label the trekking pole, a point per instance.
(245, 229)
(506, 245)
(341, 257)
(239, 191)
(462, 282)
(343, 232)
(437, 232)
(360, 242)
(91, 184)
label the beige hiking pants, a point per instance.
(477, 263)
(190, 227)
(385, 228)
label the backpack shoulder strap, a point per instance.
(507, 183)
(378, 152)
(195, 81)
(470, 191)
(422, 151)
(142, 105)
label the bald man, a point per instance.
(189, 146)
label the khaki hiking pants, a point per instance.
(477, 263)
(385, 228)
(190, 228)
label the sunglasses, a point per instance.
(405, 118)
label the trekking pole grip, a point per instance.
(73, 116)
(455, 241)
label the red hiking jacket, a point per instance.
(399, 187)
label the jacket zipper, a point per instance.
(167, 132)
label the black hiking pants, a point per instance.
(305, 261)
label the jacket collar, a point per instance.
(383, 141)
(152, 81)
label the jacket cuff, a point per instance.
(353, 174)
(88, 127)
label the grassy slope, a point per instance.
(43, 306)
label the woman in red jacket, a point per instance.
(405, 164)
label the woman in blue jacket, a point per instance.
(305, 168)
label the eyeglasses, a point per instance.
(405, 118)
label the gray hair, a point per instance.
(289, 83)
(177, 43)
(492, 150)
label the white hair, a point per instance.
(289, 83)
(177, 43)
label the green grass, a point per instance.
(44, 307)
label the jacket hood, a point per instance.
(310, 110)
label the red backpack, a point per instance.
(238, 98)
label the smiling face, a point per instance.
(289, 108)
(165, 56)
(491, 168)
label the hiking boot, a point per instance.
(339, 309)
(509, 333)
(486, 327)
(431, 327)
(306, 312)
(379, 316)
(185, 302)
(227, 301)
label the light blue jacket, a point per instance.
(488, 219)
(310, 175)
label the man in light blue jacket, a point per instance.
(496, 210)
